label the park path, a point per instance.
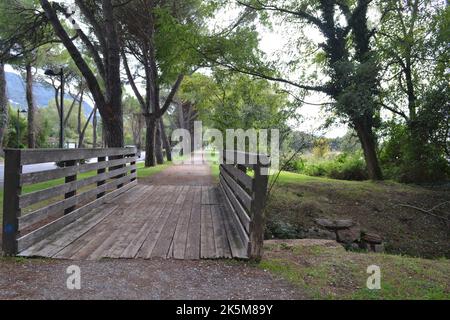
(195, 173)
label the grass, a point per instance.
(324, 272)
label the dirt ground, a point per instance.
(376, 207)
(141, 279)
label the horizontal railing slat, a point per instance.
(33, 156)
(237, 207)
(39, 234)
(239, 175)
(237, 190)
(42, 176)
(41, 195)
(58, 207)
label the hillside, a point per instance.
(43, 93)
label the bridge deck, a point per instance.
(169, 221)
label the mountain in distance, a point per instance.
(43, 94)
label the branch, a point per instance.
(132, 82)
(172, 93)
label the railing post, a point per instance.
(11, 209)
(256, 234)
(100, 171)
(132, 164)
(68, 179)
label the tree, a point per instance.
(3, 104)
(345, 56)
(155, 34)
(102, 45)
(415, 56)
(21, 32)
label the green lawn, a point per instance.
(324, 272)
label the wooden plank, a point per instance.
(207, 245)
(57, 241)
(133, 227)
(231, 215)
(68, 180)
(193, 237)
(205, 195)
(44, 231)
(220, 236)
(161, 247)
(31, 156)
(11, 207)
(237, 246)
(239, 175)
(159, 215)
(236, 206)
(41, 195)
(257, 226)
(179, 239)
(57, 207)
(42, 176)
(237, 190)
(213, 196)
(97, 243)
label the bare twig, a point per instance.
(428, 212)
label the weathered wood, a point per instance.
(207, 244)
(233, 217)
(32, 156)
(239, 175)
(220, 236)
(257, 225)
(67, 188)
(44, 231)
(179, 239)
(235, 205)
(70, 179)
(193, 237)
(42, 176)
(237, 190)
(101, 171)
(11, 208)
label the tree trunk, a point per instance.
(31, 107)
(158, 144)
(166, 142)
(3, 105)
(150, 139)
(94, 129)
(80, 106)
(113, 130)
(368, 144)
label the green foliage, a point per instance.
(400, 162)
(342, 167)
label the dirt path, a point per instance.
(197, 173)
(141, 279)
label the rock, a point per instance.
(316, 233)
(349, 235)
(378, 248)
(335, 224)
(371, 238)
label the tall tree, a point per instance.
(346, 55)
(415, 52)
(102, 45)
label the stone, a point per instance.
(335, 224)
(379, 248)
(372, 238)
(349, 235)
(316, 233)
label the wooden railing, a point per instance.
(56, 206)
(245, 196)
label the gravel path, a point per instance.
(141, 279)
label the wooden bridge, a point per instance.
(99, 210)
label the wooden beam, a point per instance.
(11, 209)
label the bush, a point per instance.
(343, 167)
